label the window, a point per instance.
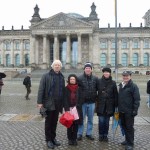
(135, 59)
(7, 60)
(146, 59)
(17, 45)
(26, 45)
(146, 43)
(27, 60)
(103, 45)
(113, 44)
(113, 59)
(124, 44)
(135, 44)
(103, 60)
(124, 59)
(7, 45)
(17, 60)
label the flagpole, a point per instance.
(116, 53)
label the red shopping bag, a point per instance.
(66, 119)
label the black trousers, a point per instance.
(51, 124)
(28, 91)
(127, 121)
(72, 131)
(0, 91)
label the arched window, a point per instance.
(124, 59)
(27, 60)
(135, 59)
(7, 60)
(113, 59)
(146, 59)
(103, 60)
(17, 60)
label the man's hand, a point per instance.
(39, 106)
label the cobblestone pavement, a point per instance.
(22, 128)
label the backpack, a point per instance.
(25, 81)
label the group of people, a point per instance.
(89, 94)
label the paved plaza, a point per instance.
(22, 128)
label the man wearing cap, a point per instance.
(51, 97)
(89, 86)
(128, 104)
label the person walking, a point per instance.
(128, 104)
(1, 84)
(106, 102)
(27, 83)
(51, 97)
(148, 92)
(89, 86)
(72, 99)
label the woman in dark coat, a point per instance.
(1, 84)
(72, 99)
(107, 101)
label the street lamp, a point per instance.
(116, 40)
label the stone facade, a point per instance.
(74, 40)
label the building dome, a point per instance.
(75, 15)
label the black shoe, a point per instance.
(105, 139)
(75, 143)
(70, 142)
(100, 138)
(128, 147)
(55, 142)
(124, 143)
(50, 145)
(90, 137)
(79, 138)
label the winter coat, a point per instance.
(1, 83)
(148, 87)
(89, 87)
(67, 103)
(28, 80)
(107, 97)
(45, 92)
(128, 98)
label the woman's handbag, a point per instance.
(66, 119)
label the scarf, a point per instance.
(72, 88)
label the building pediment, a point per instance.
(62, 21)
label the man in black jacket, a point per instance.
(51, 97)
(148, 92)
(128, 104)
(27, 83)
(89, 86)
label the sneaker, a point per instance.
(90, 137)
(50, 145)
(75, 143)
(105, 139)
(55, 142)
(128, 147)
(79, 138)
(70, 142)
(124, 143)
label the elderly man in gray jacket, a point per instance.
(50, 97)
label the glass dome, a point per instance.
(75, 15)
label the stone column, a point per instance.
(32, 50)
(130, 51)
(12, 54)
(2, 53)
(22, 62)
(79, 65)
(44, 51)
(90, 47)
(108, 52)
(56, 47)
(141, 51)
(119, 52)
(37, 51)
(48, 53)
(68, 52)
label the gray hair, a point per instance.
(56, 62)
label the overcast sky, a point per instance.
(19, 12)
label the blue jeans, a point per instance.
(87, 110)
(103, 125)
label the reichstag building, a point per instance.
(74, 39)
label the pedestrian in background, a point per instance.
(89, 86)
(106, 102)
(27, 83)
(128, 104)
(148, 92)
(1, 84)
(72, 99)
(51, 97)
